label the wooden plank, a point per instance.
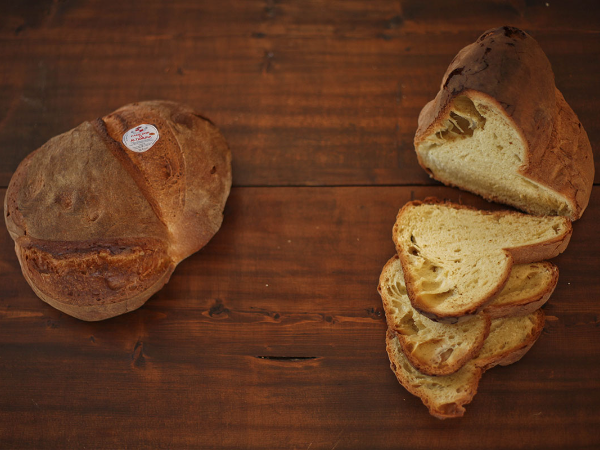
(272, 336)
(307, 93)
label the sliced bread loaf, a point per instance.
(436, 348)
(500, 128)
(445, 396)
(456, 259)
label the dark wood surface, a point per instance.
(272, 336)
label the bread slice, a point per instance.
(436, 348)
(456, 259)
(445, 396)
(509, 339)
(527, 289)
(500, 128)
(433, 348)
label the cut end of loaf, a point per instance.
(477, 147)
(500, 128)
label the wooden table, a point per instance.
(272, 336)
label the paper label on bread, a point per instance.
(141, 138)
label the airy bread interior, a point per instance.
(455, 259)
(527, 289)
(507, 337)
(436, 348)
(477, 146)
(445, 396)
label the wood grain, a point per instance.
(272, 336)
(306, 92)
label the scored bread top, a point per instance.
(445, 396)
(500, 128)
(99, 228)
(185, 176)
(72, 189)
(456, 259)
(436, 348)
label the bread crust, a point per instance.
(87, 309)
(516, 255)
(500, 67)
(98, 228)
(191, 174)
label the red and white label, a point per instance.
(141, 138)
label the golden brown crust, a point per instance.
(15, 222)
(99, 228)
(515, 255)
(188, 172)
(72, 189)
(566, 164)
(85, 273)
(105, 310)
(500, 66)
(539, 252)
(159, 172)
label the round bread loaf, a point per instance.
(102, 214)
